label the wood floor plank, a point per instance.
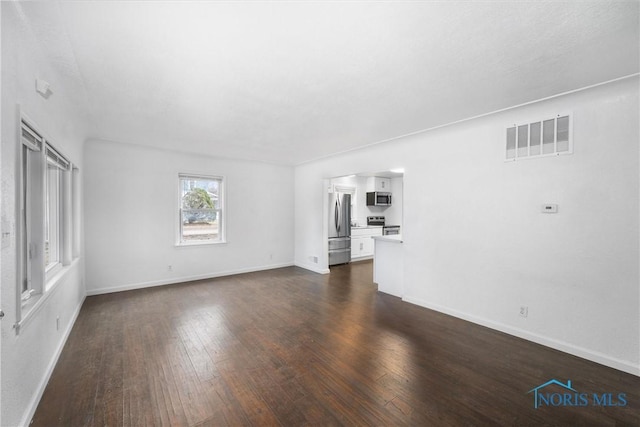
(203, 366)
(137, 404)
(289, 347)
(109, 412)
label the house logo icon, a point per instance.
(536, 391)
(569, 396)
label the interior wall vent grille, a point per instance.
(543, 138)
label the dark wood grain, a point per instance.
(289, 347)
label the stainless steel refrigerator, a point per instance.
(339, 228)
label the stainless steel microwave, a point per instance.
(377, 198)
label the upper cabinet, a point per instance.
(376, 183)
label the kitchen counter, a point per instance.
(388, 264)
(394, 238)
(361, 227)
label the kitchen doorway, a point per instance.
(375, 208)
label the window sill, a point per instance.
(34, 304)
(51, 275)
(202, 243)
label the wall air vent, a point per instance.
(543, 138)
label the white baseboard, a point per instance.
(312, 267)
(594, 356)
(174, 280)
(35, 400)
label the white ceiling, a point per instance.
(289, 82)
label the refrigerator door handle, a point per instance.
(347, 214)
(338, 215)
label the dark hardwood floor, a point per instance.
(289, 347)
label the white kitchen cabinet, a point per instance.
(358, 247)
(362, 244)
(376, 183)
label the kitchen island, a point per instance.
(388, 264)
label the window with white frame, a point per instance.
(32, 146)
(46, 202)
(57, 172)
(201, 217)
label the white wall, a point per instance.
(393, 214)
(131, 195)
(476, 245)
(28, 358)
(3, 223)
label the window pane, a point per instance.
(52, 217)
(198, 193)
(199, 224)
(26, 212)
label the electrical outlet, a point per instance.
(57, 323)
(170, 267)
(524, 311)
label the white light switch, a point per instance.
(550, 208)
